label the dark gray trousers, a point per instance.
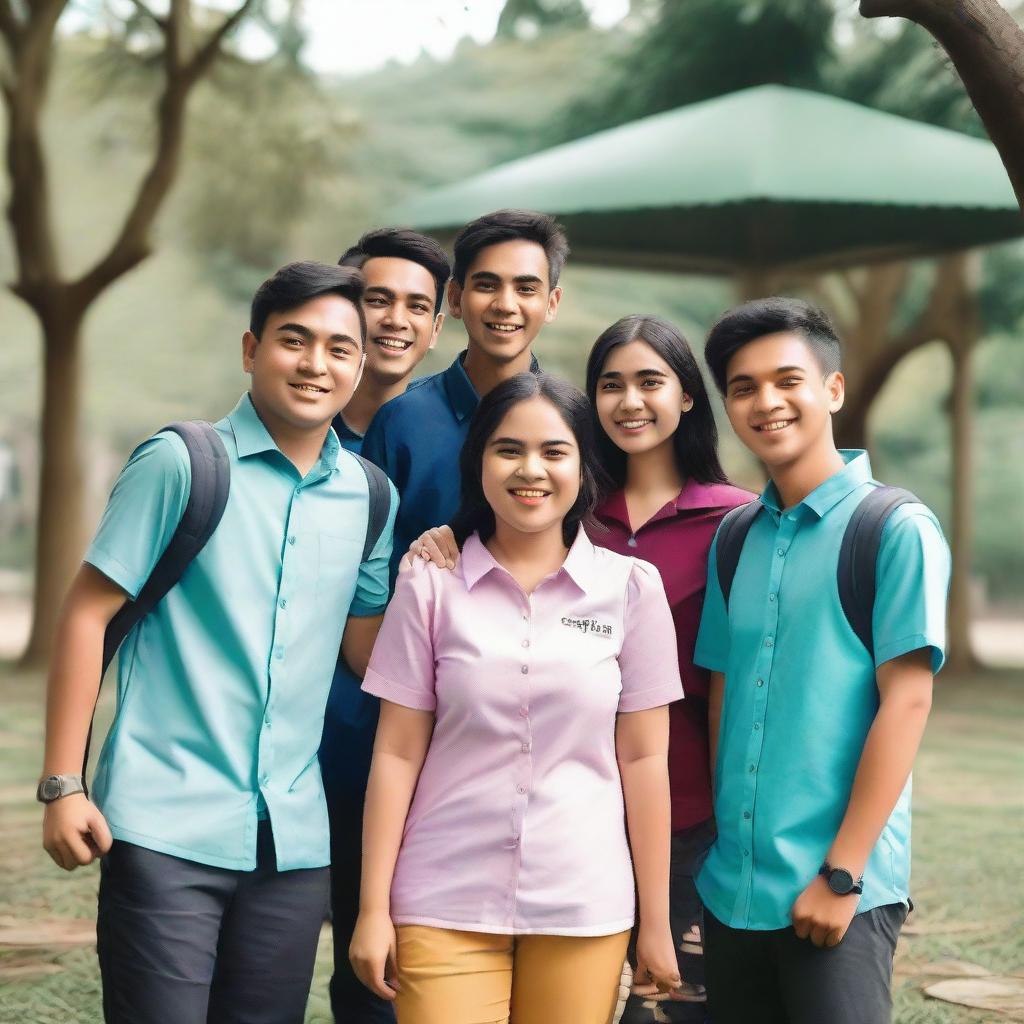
(185, 943)
(773, 977)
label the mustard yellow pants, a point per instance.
(455, 977)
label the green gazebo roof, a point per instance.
(765, 177)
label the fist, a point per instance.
(822, 916)
(74, 831)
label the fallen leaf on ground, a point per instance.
(1000, 994)
(61, 931)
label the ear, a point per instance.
(687, 404)
(249, 344)
(455, 299)
(438, 324)
(835, 386)
(553, 300)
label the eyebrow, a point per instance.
(518, 441)
(489, 275)
(775, 372)
(389, 293)
(309, 335)
(640, 373)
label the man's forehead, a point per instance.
(784, 348)
(398, 275)
(518, 257)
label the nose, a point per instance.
(313, 361)
(396, 317)
(531, 467)
(504, 300)
(631, 400)
(767, 399)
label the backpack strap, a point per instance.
(858, 557)
(207, 497)
(732, 535)
(379, 494)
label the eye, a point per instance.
(527, 289)
(292, 342)
(609, 385)
(556, 453)
(789, 382)
(740, 389)
(376, 300)
(507, 451)
(650, 383)
(420, 309)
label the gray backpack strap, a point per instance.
(731, 536)
(858, 557)
(379, 493)
(207, 497)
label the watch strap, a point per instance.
(53, 787)
(827, 870)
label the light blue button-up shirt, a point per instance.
(221, 689)
(801, 695)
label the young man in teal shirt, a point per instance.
(207, 808)
(807, 884)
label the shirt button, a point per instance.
(520, 789)
(278, 653)
(781, 552)
(757, 727)
(526, 618)
(291, 539)
(760, 682)
(746, 853)
(515, 840)
(524, 712)
(746, 815)
(771, 597)
(526, 643)
(769, 641)
(753, 768)
(526, 748)
(283, 603)
(264, 779)
(525, 669)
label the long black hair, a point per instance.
(695, 442)
(474, 514)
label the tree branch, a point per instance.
(146, 11)
(206, 54)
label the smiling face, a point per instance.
(506, 299)
(306, 363)
(639, 399)
(401, 326)
(779, 402)
(531, 468)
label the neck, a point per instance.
(654, 472)
(529, 557)
(368, 398)
(795, 480)
(485, 374)
(301, 446)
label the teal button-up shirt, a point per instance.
(221, 689)
(801, 695)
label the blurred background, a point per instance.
(166, 168)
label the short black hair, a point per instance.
(508, 226)
(404, 244)
(298, 283)
(474, 514)
(774, 315)
(695, 442)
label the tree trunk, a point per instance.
(986, 46)
(60, 537)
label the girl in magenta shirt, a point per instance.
(523, 724)
(658, 445)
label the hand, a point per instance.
(821, 916)
(435, 545)
(74, 831)
(656, 959)
(373, 953)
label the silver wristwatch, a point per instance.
(53, 787)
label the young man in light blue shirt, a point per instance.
(208, 808)
(806, 886)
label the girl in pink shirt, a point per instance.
(523, 725)
(658, 444)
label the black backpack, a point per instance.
(207, 498)
(858, 554)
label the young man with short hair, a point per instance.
(806, 886)
(208, 809)
(406, 274)
(504, 289)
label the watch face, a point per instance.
(840, 881)
(51, 788)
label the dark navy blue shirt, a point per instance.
(350, 440)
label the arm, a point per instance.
(403, 735)
(74, 831)
(716, 693)
(905, 695)
(641, 746)
(358, 639)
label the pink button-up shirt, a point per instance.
(517, 824)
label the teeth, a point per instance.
(530, 494)
(630, 424)
(394, 344)
(308, 387)
(776, 425)
(504, 328)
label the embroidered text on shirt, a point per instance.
(588, 626)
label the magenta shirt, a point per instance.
(676, 540)
(517, 824)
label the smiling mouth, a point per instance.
(528, 495)
(774, 427)
(633, 424)
(392, 344)
(309, 389)
(504, 328)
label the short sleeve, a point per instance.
(712, 649)
(648, 662)
(142, 513)
(401, 667)
(911, 587)
(373, 581)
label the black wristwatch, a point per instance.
(840, 881)
(53, 787)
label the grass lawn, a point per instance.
(968, 808)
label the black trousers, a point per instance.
(773, 977)
(185, 943)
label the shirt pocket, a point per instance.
(337, 568)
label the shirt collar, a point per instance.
(462, 396)
(827, 495)
(253, 438)
(343, 430)
(692, 497)
(476, 562)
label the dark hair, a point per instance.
(744, 324)
(474, 513)
(298, 283)
(507, 226)
(404, 245)
(695, 442)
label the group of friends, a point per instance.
(569, 727)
